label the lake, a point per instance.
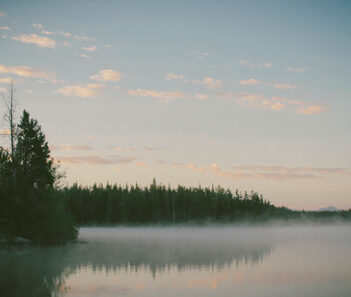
(185, 261)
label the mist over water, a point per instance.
(185, 261)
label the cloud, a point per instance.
(201, 96)
(258, 101)
(69, 147)
(38, 26)
(164, 96)
(141, 164)
(271, 172)
(90, 48)
(172, 76)
(199, 54)
(107, 75)
(5, 80)
(47, 32)
(125, 149)
(2, 13)
(5, 132)
(38, 40)
(251, 65)
(67, 44)
(76, 37)
(2, 89)
(311, 109)
(301, 69)
(94, 160)
(210, 82)
(85, 56)
(27, 72)
(286, 86)
(5, 28)
(249, 82)
(84, 91)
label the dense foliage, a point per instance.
(29, 205)
(114, 204)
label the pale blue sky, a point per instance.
(252, 95)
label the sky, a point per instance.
(249, 95)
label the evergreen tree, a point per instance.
(36, 211)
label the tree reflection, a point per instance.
(41, 271)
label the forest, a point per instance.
(35, 207)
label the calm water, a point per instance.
(215, 261)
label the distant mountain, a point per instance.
(328, 208)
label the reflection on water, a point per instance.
(184, 262)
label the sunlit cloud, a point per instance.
(258, 101)
(47, 32)
(210, 82)
(125, 149)
(70, 147)
(76, 37)
(27, 72)
(90, 48)
(40, 41)
(299, 69)
(2, 13)
(201, 96)
(286, 86)
(5, 28)
(141, 164)
(310, 109)
(172, 76)
(94, 160)
(67, 44)
(5, 80)
(5, 132)
(164, 96)
(85, 56)
(249, 82)
(107, 75)
(84, 91)
(271, 172)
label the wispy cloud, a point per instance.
(253, 101)
(199, 54)
(298, 69)
(94, 160)
(27, 72)
(141, 164)
(38, 26)
(84, 91)
(5, 80)
(5, 28)
(76, 37)
(70, 147)
(252, 65)
(40, 41)
(90, 48)
(201, 96)
(85, 56)
(47, 32)
(286, 86)
(67, 44)
(249, 82)
(5, 132)
(162, 95)
(107, 75)
(125, 149)
(210, 82)
(172, 76)
(2, 13)
(271, 172)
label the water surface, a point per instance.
(189, 261)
